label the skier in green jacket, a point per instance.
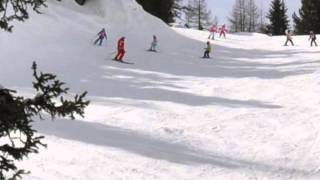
(207, 50)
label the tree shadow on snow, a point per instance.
(152, 147)
(157, 77)
(229, 62)
(125, 83)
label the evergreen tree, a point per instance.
(284, 17)
(308, 18)
(166, 10)
(18, 138)
(279, 22)
(17, 10)
(11, 10)
(81, 2)
(18, 113)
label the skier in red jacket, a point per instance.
(223, 31)
(121, 49)
(213, 31)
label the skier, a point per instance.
(213, 30)
(223, 31)
(121, 50)
(207, 50)
(313, 38)
(101, 35)
(154, 44)
(289, 38)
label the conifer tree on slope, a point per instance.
(308, 18)
(167, 10)
(81, 2)
(18, 137)
(11, 10)
(278, 18)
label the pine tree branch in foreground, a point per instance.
(11, 10)
(17, 137)
(17, 10)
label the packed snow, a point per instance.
(251, 112)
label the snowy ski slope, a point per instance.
(249, 113)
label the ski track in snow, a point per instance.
(251, 112)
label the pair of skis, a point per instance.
(131, 63)
(123, 62)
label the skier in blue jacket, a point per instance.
(154, 44)
(101, 35)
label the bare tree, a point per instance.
(238, 16)
(253, 15)
(244, 16)
(198, 15)
(189, 13)
(215, 21)
(234, 19)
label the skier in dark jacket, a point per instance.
(313, 38)
(207, 50)
(289, 38)
(101, 35)
(121, 49)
